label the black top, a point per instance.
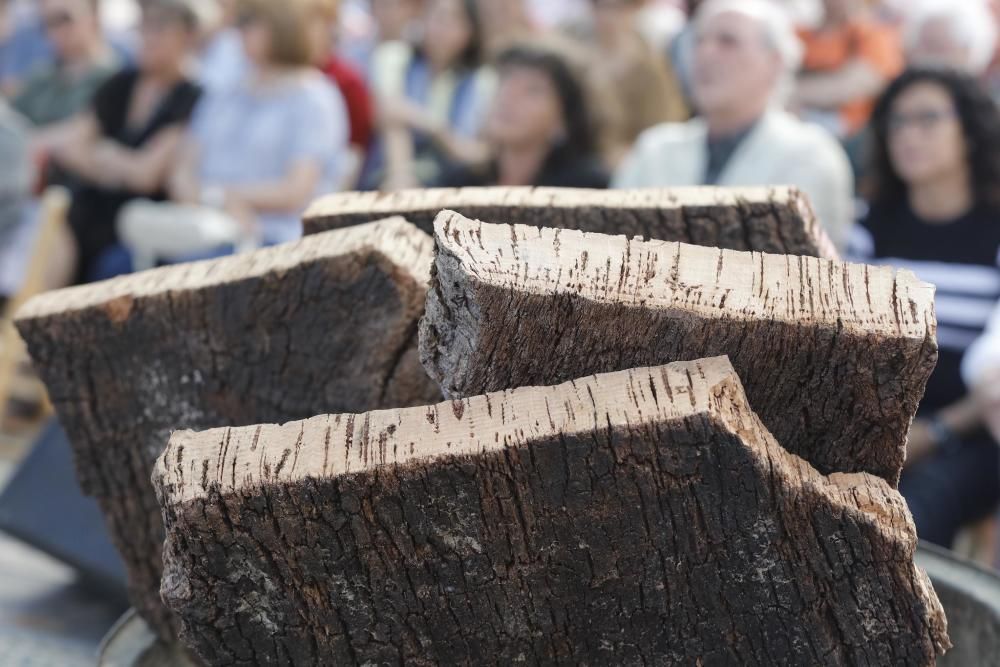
(95, 209)
(559, 171)
(961, 258)
(720, 150)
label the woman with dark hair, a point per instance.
(540, 128)
(935, 209)
(125, 145)
(430, 98)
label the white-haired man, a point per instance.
(945, 33)
(745, 57)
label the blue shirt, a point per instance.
(250, 136)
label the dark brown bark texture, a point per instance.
(774, 220)
(834, 357)
(644, 517)
(327, 324)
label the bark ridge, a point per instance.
(835, 357)
(640, 517)
(777, 220)
(324, 325)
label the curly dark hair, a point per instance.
(555, 61)
(980, 121)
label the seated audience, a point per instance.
(350, 82)
(125, 146)
(935, 205)
(745, 57)
(265, 149)
(640, 80)
(848, 60)
(943, 33)
(84, 61)
(541, 125)
(431, 98)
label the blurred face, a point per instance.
(166, 41)
(526, 109)
(257, 40)
(447, 32)
(228, 10)
(70, 25)
(392, 17)
(733, 67)
(926, 141)
(936, 46)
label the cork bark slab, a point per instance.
(777, 220)
(834, 357)
(325, 325)
(642, 517)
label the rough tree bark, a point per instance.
(776, 220)
(643, 517)
(325, 325)
(835, 357)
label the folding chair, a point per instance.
(54, 210)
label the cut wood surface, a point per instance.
(835, 357)
(777, 220)
(641, 517)
(324, 325)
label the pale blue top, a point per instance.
(249, 135)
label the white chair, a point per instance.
(155, 232)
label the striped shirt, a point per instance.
(961, 258)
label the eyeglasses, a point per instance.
(922, 120)
(57, 20)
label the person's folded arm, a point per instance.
(183, 183)
(72, 145)
(292, 193)
(458, 148)
(59, 136)
(962, 419)
(856, 80)
(144, 170)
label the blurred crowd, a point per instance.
(187, 129)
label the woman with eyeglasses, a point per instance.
(125, 145)
(935, 210)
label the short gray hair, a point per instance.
(971, 22)
(778, 32)
(774, 21)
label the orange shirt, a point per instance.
(876, 44)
